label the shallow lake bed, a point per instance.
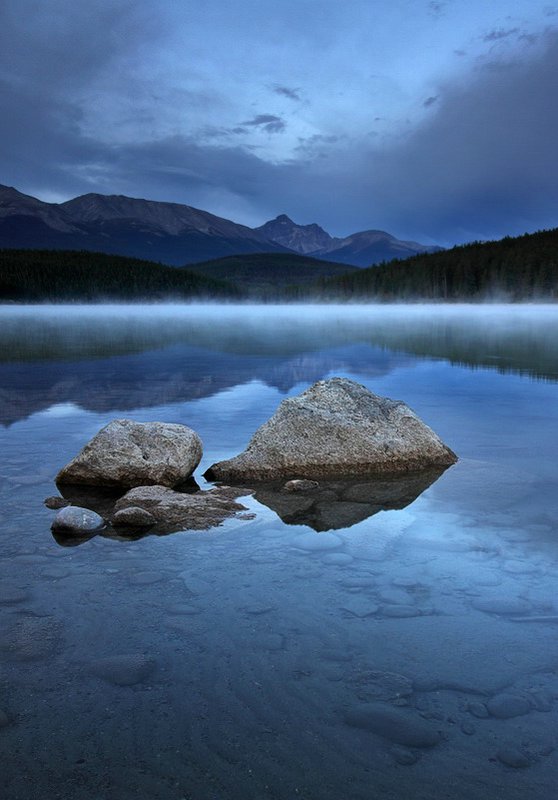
(413, 654)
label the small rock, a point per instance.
(73, 519)
(55, 502)
(467, 728)
(124, 670)
(506, 706)
(512, 757)
(300, 485)
(133, 517)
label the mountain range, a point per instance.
(177, 234)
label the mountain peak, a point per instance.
(300, 238)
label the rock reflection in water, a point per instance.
(343, 503)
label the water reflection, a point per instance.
(341, 504)
(111, 357)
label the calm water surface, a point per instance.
(234, 663)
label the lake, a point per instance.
(402, 653)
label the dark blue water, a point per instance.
(231, 663)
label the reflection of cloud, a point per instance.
(62, 410)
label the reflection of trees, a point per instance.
(106, 359)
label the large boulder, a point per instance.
(126, 454)
(336, 427)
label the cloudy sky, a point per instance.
(436, 121)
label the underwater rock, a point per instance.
(126, 453)
(123, 670)
(502, 605)
(506, 706)
(12, 593)
(336, 427)
(76, 520)
(31, 639)
(170, 509)
(512, 757)
(397, 725)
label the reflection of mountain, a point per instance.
(173, 375)
(112, 358)
(340, 504)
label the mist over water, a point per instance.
(401, 653)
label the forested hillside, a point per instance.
(54, 275)
(512, 269)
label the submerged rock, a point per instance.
(506, 706)
(336, 427)
(76, 520)
(394, 724)
(124, 670)
(126, 454)
(176, 510)
(512, 757)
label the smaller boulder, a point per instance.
(77, 521)
(126, 454)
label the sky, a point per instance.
(435, 121)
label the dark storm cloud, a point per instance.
(485, 163)
(481, 165)
(500, 33)
(266, 122)
(286, 91)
